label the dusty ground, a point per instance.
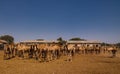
(81, 64)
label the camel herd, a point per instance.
(47, 52)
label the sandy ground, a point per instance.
(81, 64)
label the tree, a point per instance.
(61, 41)
(40, 39)
(76, 39)
(7, 38)
(118, 45)
(105, 44)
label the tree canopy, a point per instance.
(40, 39)
(8, 38)
(76, 39)
(61, 41)
(105, 44)
(118, 44)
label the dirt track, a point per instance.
(81, 64)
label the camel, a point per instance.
(70, 51)
(8, 51)
(22, 49)
(113, 50)
(81, 49)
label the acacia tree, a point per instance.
(40, 39)
(118, 45)
(8, 38)
(76, 39)
(61, 41)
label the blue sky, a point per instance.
(51, 19)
